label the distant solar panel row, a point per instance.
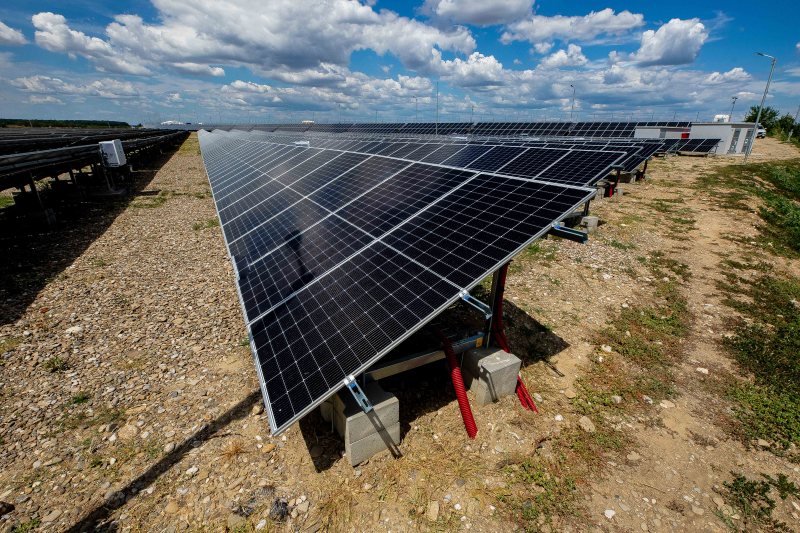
(593, 129)
(341, 255)
(575, 166)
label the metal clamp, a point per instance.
(358, 394)
(568, 233)
(477, 304)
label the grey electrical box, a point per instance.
(112, 153)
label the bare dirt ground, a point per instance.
(128, 396)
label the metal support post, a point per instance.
(361, 398)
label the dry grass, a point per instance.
(233, 449)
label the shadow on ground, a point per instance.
(34, 253)
(96, 519)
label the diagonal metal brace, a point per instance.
(568, 233)
(358, 394)
(477, 304)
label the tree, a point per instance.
(769, 116)
(785, 123)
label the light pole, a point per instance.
(794, 124)
(760, 107)
(733, 99)
(572, 109)
(416, 110)
(436, 128)
(573, 102)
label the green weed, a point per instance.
(55, 364)
(208, 223)
(752, 499)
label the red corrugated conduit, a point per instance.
(500, 337)
(458, 385)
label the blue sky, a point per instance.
(288, 60)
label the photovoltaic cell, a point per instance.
(357, 181)
(467, 233)
(495, 158)
(443, 152)
(401, 196)
(533, 161)
(581, 167)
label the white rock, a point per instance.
(192, 471)
(586, 424)
(558, 418)
(702, 370)
(261, 524)
(606, 348)
(666, 404)
(74, 330)
(610, 513)
(433, 511)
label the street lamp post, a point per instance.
(733, 100)
(436, 128)
(760, 107)
(572, 109)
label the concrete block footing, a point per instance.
(490, 374)
(365, 434)
(590, 223)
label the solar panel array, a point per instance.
(341, 254)
(559, 129)
(638, 150)
(348, 238)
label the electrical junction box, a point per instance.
(112, 153)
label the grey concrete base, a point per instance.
(590, 223)
(366, 434)
(373, 444)
(490, 374)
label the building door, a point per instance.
(734, 141)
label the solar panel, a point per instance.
(338, 264)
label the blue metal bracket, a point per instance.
(477, 304)
(568, 233)
(358, 394)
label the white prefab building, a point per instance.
(735, 135)
(660, 132)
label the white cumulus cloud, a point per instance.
(104, 88)
(735, 74)
(38, 99)
(288, 35)
(478, 12)
(571, 57)
(476, 71)
(10, 36)
(677, 42)
(53, 34)
(539, 28)
(199, 69)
